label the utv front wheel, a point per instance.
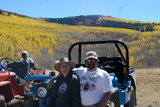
(115, 99)
(131, 102)
(2, 101)
(32, 103)
(111, 104)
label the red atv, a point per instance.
(12, 83)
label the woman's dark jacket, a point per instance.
(66, 91)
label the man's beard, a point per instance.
(91, 67)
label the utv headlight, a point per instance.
(41, 91)
(30, 85)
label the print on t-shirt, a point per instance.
(88, 83)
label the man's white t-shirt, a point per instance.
(30, 60)
(93, 85)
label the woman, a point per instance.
(67, 89)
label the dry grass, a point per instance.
(148, 87)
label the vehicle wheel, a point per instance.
(2, 101)
(111, 104)
(115, 99)
(131, 102)
(32, 103)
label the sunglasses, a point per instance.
(91, 60)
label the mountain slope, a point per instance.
(103, 21)
(46, 42)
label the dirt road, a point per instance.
(148, 87)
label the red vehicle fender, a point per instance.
(4, 75)
(8, 86)
(37, 72)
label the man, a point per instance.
(2, 68)
(25, 58)
(95, 83)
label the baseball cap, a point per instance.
(91, 54)
(24, 54)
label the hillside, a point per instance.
(103, 21)
(46, 42)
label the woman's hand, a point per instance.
(50, 83)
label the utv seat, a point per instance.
(80, 65)
(113, 65)
(20, 68)
(117, 68)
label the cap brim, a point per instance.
(91, 57)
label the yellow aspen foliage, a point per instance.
(152, 44)
(149, 38)
(139, 60)
(142, 56)
(134, 37)
(134, 49)
(158, 41)
(37, 36)
(121, 39)
(50, 51)
(151, 52)
(132, 61)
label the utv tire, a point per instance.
(2, 101)
(111, 104)
(131, 102)
(32, 103)
(115, 99)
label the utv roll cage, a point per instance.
(115, 42)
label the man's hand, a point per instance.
(105, 99)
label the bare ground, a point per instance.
(148, 87)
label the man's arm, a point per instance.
(105, 99)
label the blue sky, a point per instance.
(140, 10)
